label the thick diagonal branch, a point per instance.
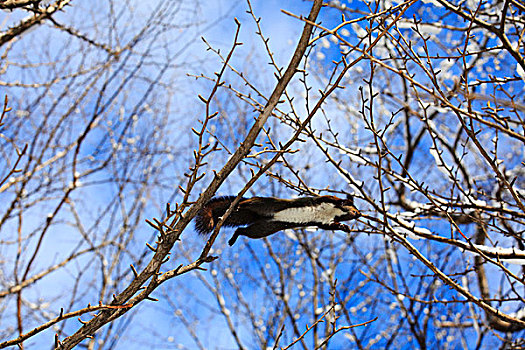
(151, 270)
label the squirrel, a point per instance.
(263, 216)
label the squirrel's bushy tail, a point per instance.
(205, 220)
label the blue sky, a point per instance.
(182, 109)
(281, 28)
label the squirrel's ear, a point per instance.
(350, 198)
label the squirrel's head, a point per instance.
(346, 205)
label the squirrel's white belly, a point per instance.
(323, 213)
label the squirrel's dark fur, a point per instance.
(263, 216)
